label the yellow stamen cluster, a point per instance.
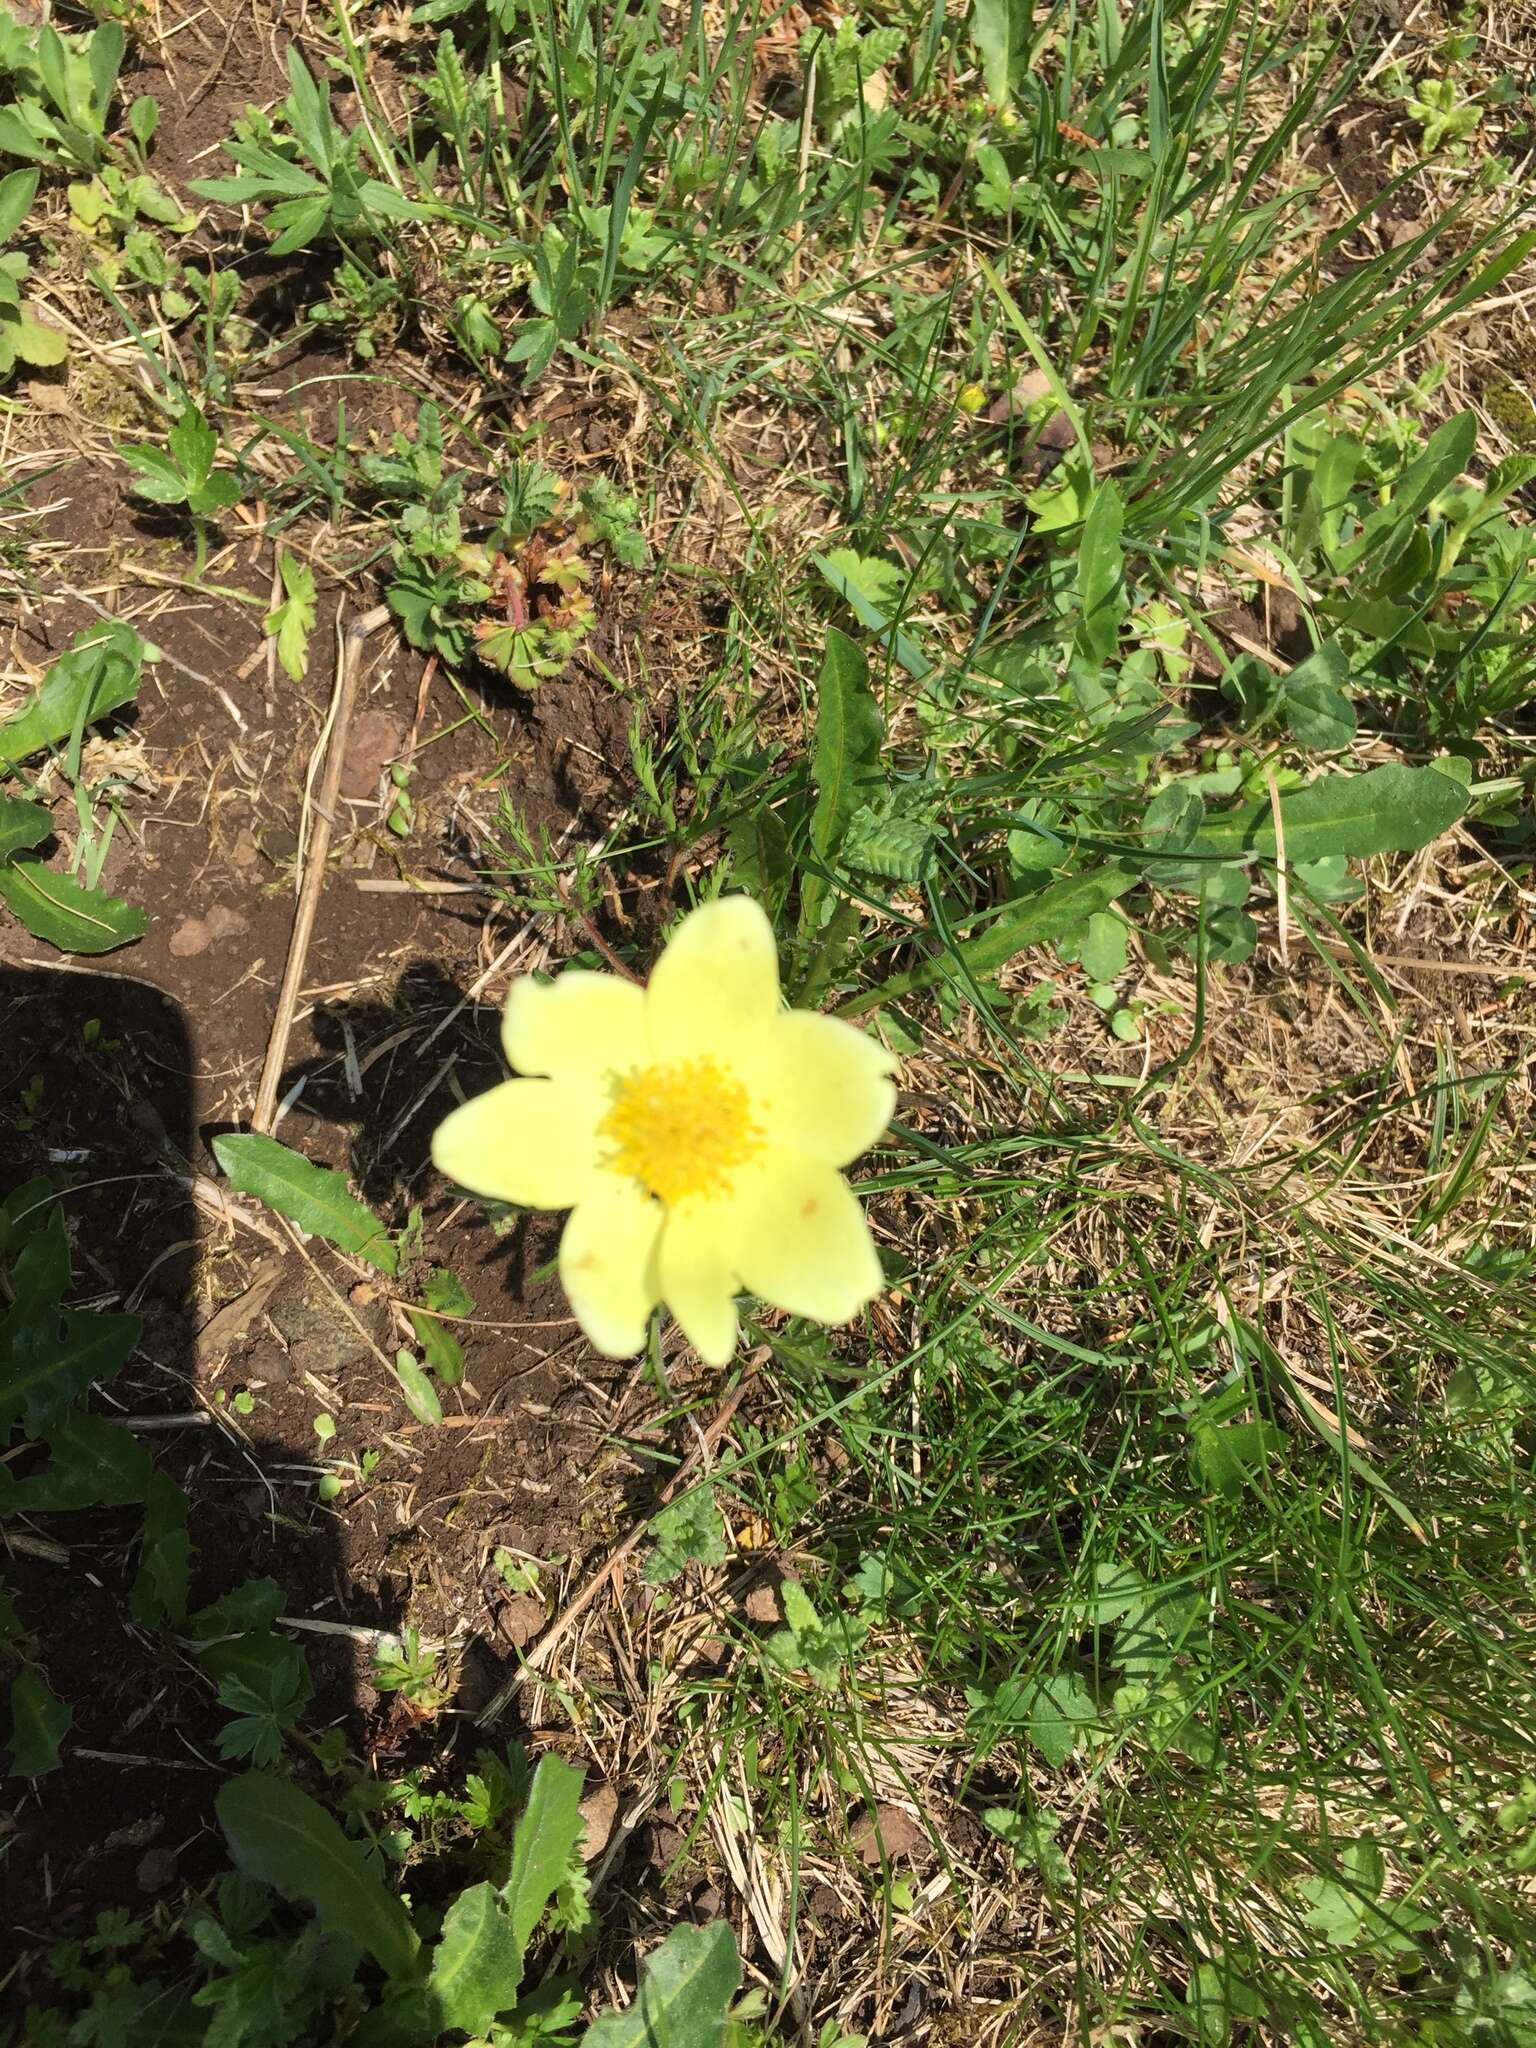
(680, 1128)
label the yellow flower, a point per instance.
(693, 1128)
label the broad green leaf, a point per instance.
(39, 1723)
(545, 1846)
(873, 589)
(439, 1347)
(1000, 31)
(420, 1394)
(1101, 575)
(293, 620)
(1391, 809)
(685, 1992)
(1060, 1709)
(50, 1361)
(1230, 1456)
(158, 478)
(316, 1198)
(477, 1965)
(282, 1837)
(56, 908)
(97, 673)
(849, 733)
(95, 1464)
(16, 195)
(22, 825)
(1327, 496)
(193, 445)
(1321, 714)
(34, 342)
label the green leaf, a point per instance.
(685, 1992)
(39, 1723)
(1101, 575)
(545, 1846)
(95, 1464)
(439, 1347)
(1321, 714)
(193, 445)
(849, 733)
(1228, 1457)
(51, 1360)
(1000, 31)
(57, 909)
(316, 1198)
(282, 1837)
(159, 1591)
(1327, 496)
(158, 478)
(293, 620)
(873, 589)
(22, 825)
(419, 1393)
(97, 673)
(32, 341)
(16, 195)
(1391, 809)
(477, 1966)
(1049, 914)
(690, 1531)
(1060, 1708)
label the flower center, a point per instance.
(680, 1128)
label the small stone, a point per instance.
(156, 1869)
(599, 1811)
(763, 1605)
(886, 1834)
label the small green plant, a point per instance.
(403, 1664)
(182, 474)
(63, 86)
(23, 337)
(312, 178)
(97, 675)
(515, 599)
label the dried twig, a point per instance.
(319, 853)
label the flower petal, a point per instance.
(715, 988)
(580, 1024)
(696, 1268)
(805, 1245)
(533, 1142)
(608, 1266)
(826, 1087)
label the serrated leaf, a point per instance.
(478, 1963)
(59, 910)
(50, 1361)
(282, 1837)
(95, 1464)
(98, 673)
(39, 1723)
(545, 1846)
(1391, 809)
(22, 825)
(293, 620)
(690, 1531)
(1000, 30)
(159, 1590)
(685, 1991)
(316, 1198)
(439, 1347)
(419, 1393)
(1321, 714)
(193, 445)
